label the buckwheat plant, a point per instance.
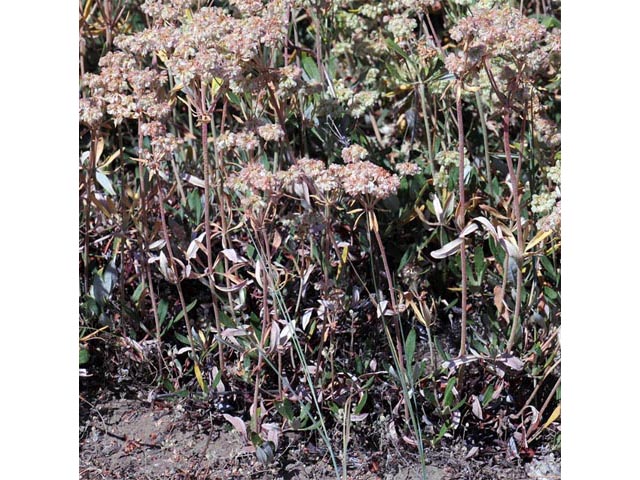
(513, 51)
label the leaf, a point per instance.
(163, 307)
(550, 293)
(194, 246)
(468, 230)
(158, 244)
(476, 408)
(487, 395)
(195, 181)
(488, 226)
(510, 361)
(449, 392)
(540, 236)
(394, 47)
(548, 266)
(196, 370)
(448, 249)
(233, 288)
(310, 68)
(105, 182)
(266, 452)
(498, 298)
(232, 255)
(437, 208)
(238, 424)
(84, 356)
(410, 348)
(138, 292)
(110, 159)
(553, 417)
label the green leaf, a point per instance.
(547, 21)
(361, 404)
(182, 339)
(548, 266)
(178, 317)
(488, 394)
(410, 348)
(195, 204)
(138, 292)
(448, 392)
(479, 263)
(84, 356)
(310, 68)
(550, 293)
(394, 47)
(163, 306)
(285, 408)
(181, 314)
(105, 182)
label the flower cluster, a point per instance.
(253, 178)
(208, 43)
(401, 27)
(361, 102)
(408, 169)
(505, 32)
(367, 181)
(354, 153)
(543, 202)
(271, 132)
(246, 141)
(546, 131)
(553, 172)
(552, 221)
(123, 91)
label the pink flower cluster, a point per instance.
(504, 32)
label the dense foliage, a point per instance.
(345, 213)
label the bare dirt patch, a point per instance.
(127, 439)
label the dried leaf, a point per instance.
(194, 246)
(195, 181)
(233, 288)
(277, 240)
(359, 417)
(510, 361)
(232, 255)
(306, 318)
(488, 226)
(476, 407)
(553, 417)
(498, 298)
(468, 230)
(448, 249)
(540, 236)
(157, 245)
(454, 363)
(238, 424)
(198, 373)
(437, 208)
(472, 453)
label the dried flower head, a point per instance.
(92, 111)
(365, 180)
(543, 202)
(554, 172)
(552, 221)
(253, 178)
(503, 32)
(407, 169)
(354, 153)
(271, 132)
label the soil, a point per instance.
(124, 438)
